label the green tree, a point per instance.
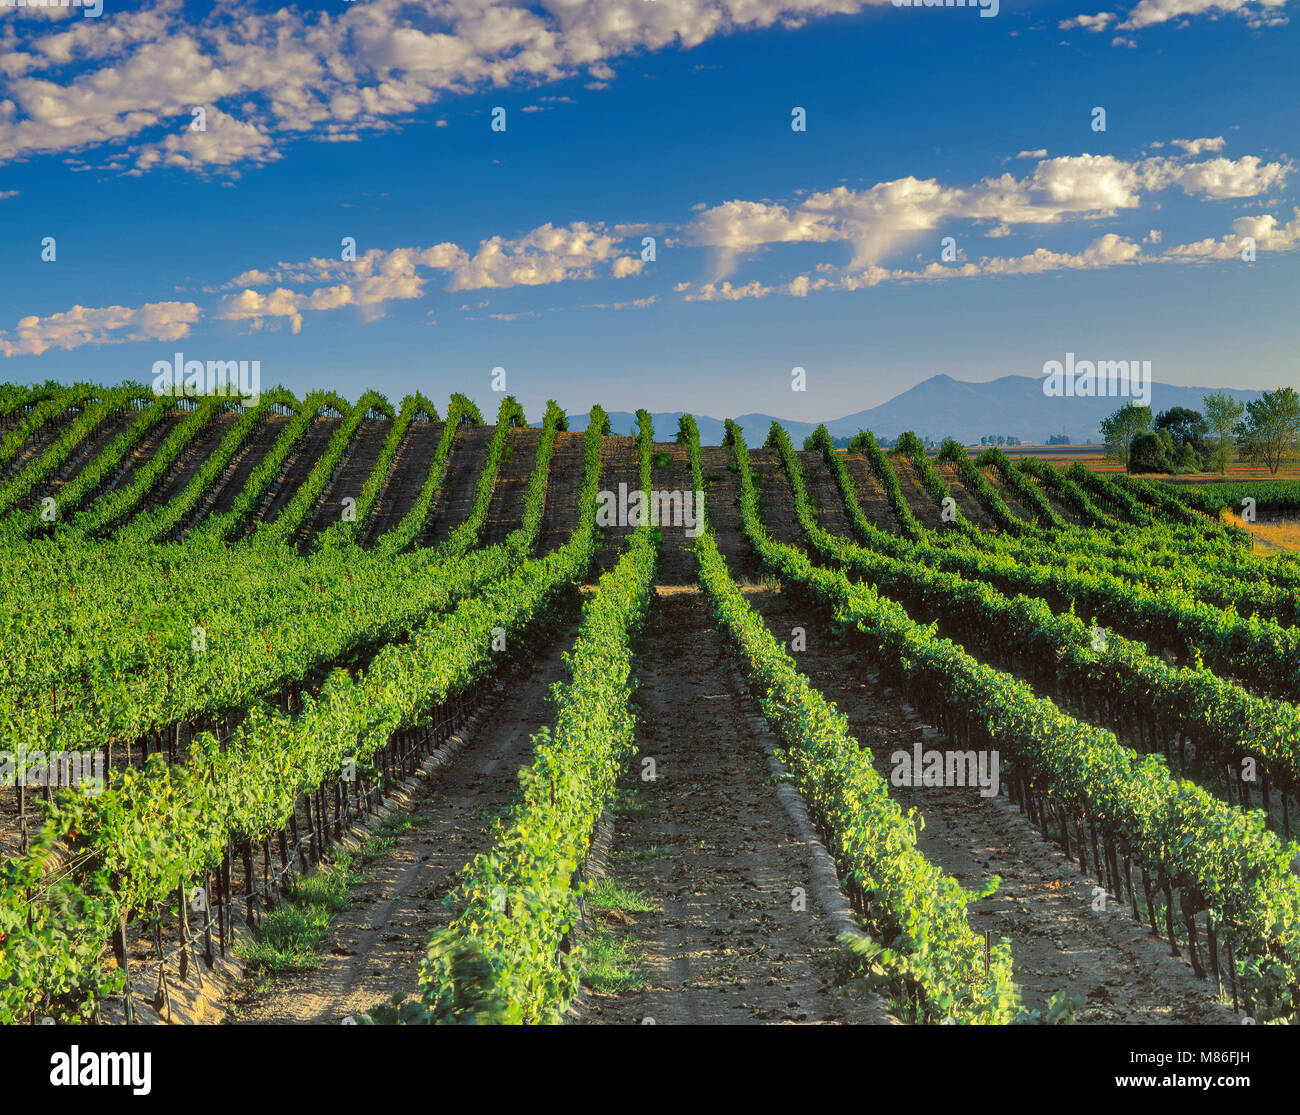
(1153, 452)
(1187, 427)
(1119, 429)
(1270, 433)
(1222, 413)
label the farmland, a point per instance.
(375, 712)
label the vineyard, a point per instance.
(614, 727)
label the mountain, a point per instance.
(941, 407)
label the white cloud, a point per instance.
(1268, 233)
(548, 254)
(884, 218)
(103, 325)
(1199, 146)
(1148, 13)
(1098, 22)
(323, 74)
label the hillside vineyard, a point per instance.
(598, 727)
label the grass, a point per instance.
(608, 893)
(289, 938)
(627, 803)
(611, 963)
(1280, 534)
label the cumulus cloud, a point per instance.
(880, 220)
(1267, 232)
(547, 254)
(102, 325)
(1148, 13)
(1198, 146)
(1098, 22)
(325, 74)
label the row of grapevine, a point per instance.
(345, 531)
(91, 478)
(158, 523)
(36, 472)
(286, 524)
(1221, 860)
(988, 496)
(460, 411)
(503, 958)
(277, 629)
(150, 834)
(931, 954)
(1118, 679)
(1261, 653)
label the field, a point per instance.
(371, 713)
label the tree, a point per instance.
(1271, 432)
(1222, 412)
(1187, 428)
(1119, 429)
(1152, 452)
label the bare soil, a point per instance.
(411, 464)
(1044, 905)
(374, 949)
(469, 450)
(713, 848)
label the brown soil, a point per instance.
(722, 500)
(618, 465)
(710, 844)
(469, 452)
(410, 469)
(560, 513)
(295, 469)
(676, 557)
(349, 476)
(374, 948)
(918, 499)
(825, 495)
(967, 501)
(775, 499)
(506, 510)
(871, 494)
(1044, 904)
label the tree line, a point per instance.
(1265, 431)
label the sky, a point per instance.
(952, 203)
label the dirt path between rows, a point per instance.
(1044, 905)
(711, 845)
(374, 948)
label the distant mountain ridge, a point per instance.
(941, 407)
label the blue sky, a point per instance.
(664, 118)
